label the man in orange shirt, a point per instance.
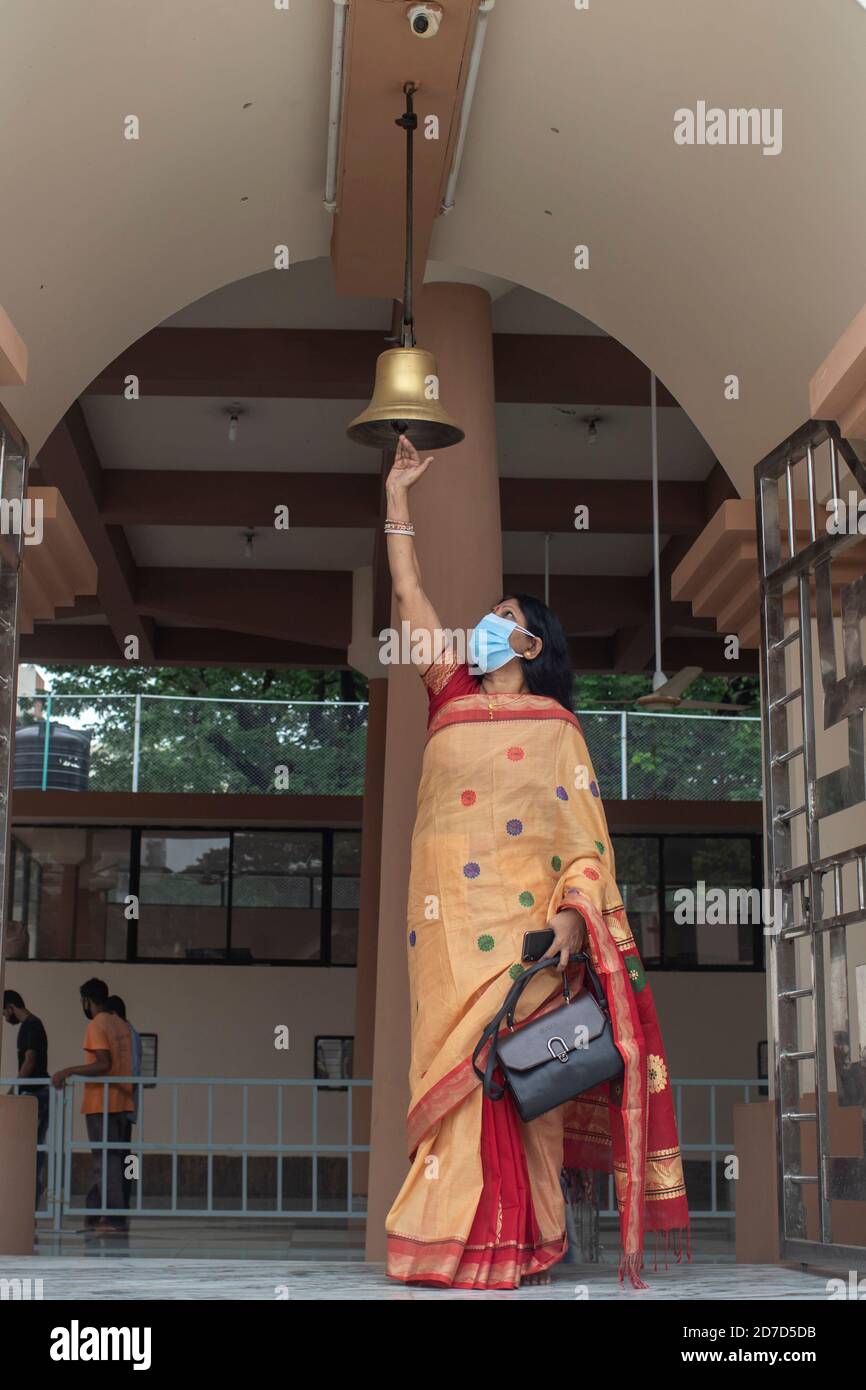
(106, 1107)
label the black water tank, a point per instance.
(68, 757)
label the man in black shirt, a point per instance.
(32, 1061)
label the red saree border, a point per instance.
(486, 710)
(414, 1261)
(454, 1087)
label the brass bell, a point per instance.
(405, 401)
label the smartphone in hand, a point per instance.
(537, 944)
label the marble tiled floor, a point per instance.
(107, 1277)
(214, 1239)
(229, 1239)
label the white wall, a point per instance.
(220, 1021)
(211, 1021)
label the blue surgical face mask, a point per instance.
(489, 645)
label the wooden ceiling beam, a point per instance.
(213, 497)
(339, 364)
(69, 462)
(312, 606)
(92, 644)
(586, 603)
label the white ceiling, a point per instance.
(314, 548)
(300, 436)
(301, 297)
(191, 432)
(304, 296)
(222, 547)
(548, 441)
(577, 553)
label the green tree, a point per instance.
(236, 730)
(669, 757)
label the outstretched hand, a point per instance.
(408, 466)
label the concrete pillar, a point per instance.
(455, 508)
(18, 1121)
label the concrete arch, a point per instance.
(704, 261)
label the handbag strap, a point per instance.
(491, 1089)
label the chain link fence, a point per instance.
(154, 743)
(674, 757)
(161, 743)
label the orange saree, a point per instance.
(510, 827)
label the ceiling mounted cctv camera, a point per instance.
(424, 20)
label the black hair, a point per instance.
(94, 989)
(551, 672)
(117, 1006)
(12, 999)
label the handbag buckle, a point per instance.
(558, 1056)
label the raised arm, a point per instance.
(413, 604)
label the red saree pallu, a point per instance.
(510, 827)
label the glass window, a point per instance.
(333, 1058)
(345, 897)
(68, 890)
(718, 874)
(637, 872)
(183, 893)
(276, 895)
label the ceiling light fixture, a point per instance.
(234, 413)
(592, 423)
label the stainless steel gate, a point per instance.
(813, 603)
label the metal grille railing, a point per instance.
(162, 743)
(201, 1152)
(697, 1103)
(187, 1120)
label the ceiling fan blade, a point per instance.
(678, 683)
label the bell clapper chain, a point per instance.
(406, 391)
(409, 122)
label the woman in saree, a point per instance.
(511, 837)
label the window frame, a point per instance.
(663, 965)
(327, 834)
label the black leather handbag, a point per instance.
(552, 1059)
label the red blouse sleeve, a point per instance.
(445, 679)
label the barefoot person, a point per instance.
(511, 837)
